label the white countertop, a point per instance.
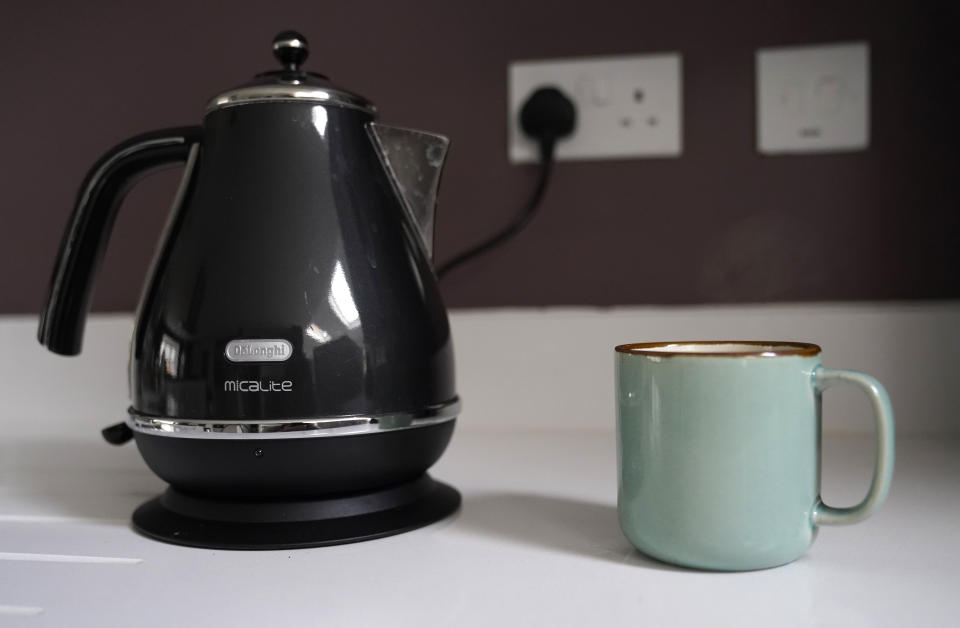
(535, 543)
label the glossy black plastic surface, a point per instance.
(117, 434)
(64, 315)
(183, 519)
(291, 49)
(290, 229)
(293, 467)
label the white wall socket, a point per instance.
(627, 106)
(813, 98)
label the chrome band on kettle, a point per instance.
(291, 428)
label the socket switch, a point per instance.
(627, 106)
(813, 98)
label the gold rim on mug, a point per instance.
(757, 348)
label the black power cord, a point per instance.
(547, 116)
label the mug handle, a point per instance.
(883, 471)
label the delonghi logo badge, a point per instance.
(265, 350)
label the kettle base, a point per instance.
(184, 519)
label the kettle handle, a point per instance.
(63, 318)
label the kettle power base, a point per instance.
(183, 519)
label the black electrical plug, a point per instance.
(547, 115)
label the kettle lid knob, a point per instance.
(291, 49)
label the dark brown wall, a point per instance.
(719, 224)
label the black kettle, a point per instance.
(291, 370)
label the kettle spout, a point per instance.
(413, 161)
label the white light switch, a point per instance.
(627, 106)
(813, 98)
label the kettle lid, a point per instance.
(290, 83)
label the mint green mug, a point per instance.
(718, 451)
